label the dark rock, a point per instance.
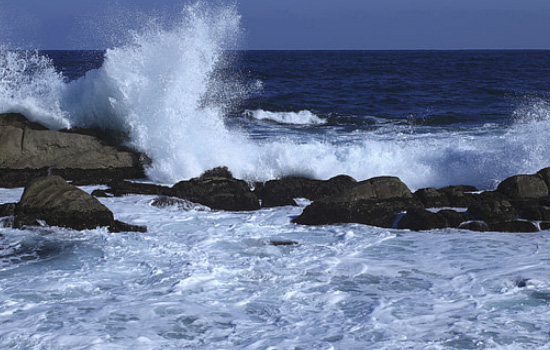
(219, 172)
(368, 212)
(432, 198)
(54, 202)
(418, 219)
(514, 226)
(278, 243)
(493, 211)
(545, 225)
(122, 188)
(119, 226)
(454, 218)
(374, 202)
(217, 193)
(28, 151)
(522, 187)
(282, 192)
(101, 194)
(7, 209)
(532, 210)
(522, 282)
(545, 174)
(474, 225)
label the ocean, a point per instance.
(185, 95)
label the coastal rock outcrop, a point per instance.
(28, 150)
(52, 201)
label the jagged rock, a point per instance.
(522, 187)
(7, 209)
(454, 218)
(217, 193)
(28, 150)
(474, 225)
(514, 226)
(282, 192)
(52, 201)
(493, 211)
(418, 219)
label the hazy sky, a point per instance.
(296, 24)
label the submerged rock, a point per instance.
(52, 201)
(29, 150)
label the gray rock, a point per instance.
(28, 150)
(522, 187)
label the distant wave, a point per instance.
(303, 117)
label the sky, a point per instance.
(294, 24)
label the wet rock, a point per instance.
(545, 225)
(278, 243)
(418, 219)
(122, 188)
(432, 198)
(474, 225)
(524, 187)
(217, 193)
(454, 218)
(218, 172)
(283, 191)
(181, 204)
(28, 150)
(460, 196)
(493, 211)
(52, 201)
(374, 202)
(514, 226)
(532, 210)
(119, 226)
(7, 209)
(545, 174)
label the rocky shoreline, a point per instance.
(41, 160)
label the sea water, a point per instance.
(205, 279)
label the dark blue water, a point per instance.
(466, 88)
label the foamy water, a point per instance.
(210, 280)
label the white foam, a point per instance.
(303, 117)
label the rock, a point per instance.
(493, 211)
(119, 226)
(282, 192)
(532, 210)
(418, 219)
(28, 150)
(122, 188)
(474, 225)
(432, 198)
(545, 225)
(368, 212)
(545, 174)
(454, 218)
(514, 226)
(7, 209)
(217, 193)
(278, 243)
(52, 201)
(375, 202)
(523, 187)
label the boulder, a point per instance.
(217, 193)
(432, 198)
(545, 174)
(532, 210)
(474, 225)
(418, 219)
(28, 150)
(174, 202)
(545, 225)
(493, 211)
(52, 201)
(514, 226)
(375, 202)
(524, 187)
(283, 191)
(460, 196)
